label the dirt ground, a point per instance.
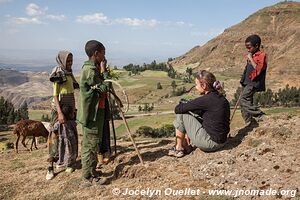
(263, 157)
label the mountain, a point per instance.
(12, 77)
(18, 87)
(279, 28)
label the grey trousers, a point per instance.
(247, 108)
(189, 125)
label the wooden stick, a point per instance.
(131, 138)
(119, 104)
(112, 123)
(236, 105)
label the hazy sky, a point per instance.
(131, 30)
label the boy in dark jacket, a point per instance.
(253, 78)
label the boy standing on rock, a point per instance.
(253, 78)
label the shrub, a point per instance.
(145, 131)
(167, 130)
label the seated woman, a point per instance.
(203, 121)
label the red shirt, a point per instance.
(260, 58)
(102, 98)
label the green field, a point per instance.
(134, 123)
(154, 74)
(37, 114)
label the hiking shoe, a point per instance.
(251, 124)
(248, 122)
(69, 170)
(172, 151)
(99, 181)
(188, 149)
(179, 153)
(87, 182)
(50, 173)
(176, 153)
(260, 117)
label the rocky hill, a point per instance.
(12, 77)
(18, 87)
(279, 28)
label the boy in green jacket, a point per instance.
(89, 115)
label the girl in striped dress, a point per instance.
(64, 84)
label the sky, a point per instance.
(133, 31)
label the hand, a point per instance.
(61, 118)
(103, 65)
(249, 56)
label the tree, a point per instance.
(151, 107)
(11, 117)
(173, 84)
(189, 72)
(24, 111)
(170, 59)
(146, 107)
(17, 116)
(140, 108)
(171, 72)
(159, 87)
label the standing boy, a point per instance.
(253, 78)
(90, 115)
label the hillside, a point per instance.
(257, 158)
(12, 78)
(18, 87)
(279, 28)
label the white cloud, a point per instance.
(97, 18)
(101, 19)
(34, 10)
(137, 22)
(36, 15)
(56, 17)
(25, 20)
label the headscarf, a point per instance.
(61, 59)
(60, 72)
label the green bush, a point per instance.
(167, 130)
(145, 131)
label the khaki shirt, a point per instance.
(91, 87)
